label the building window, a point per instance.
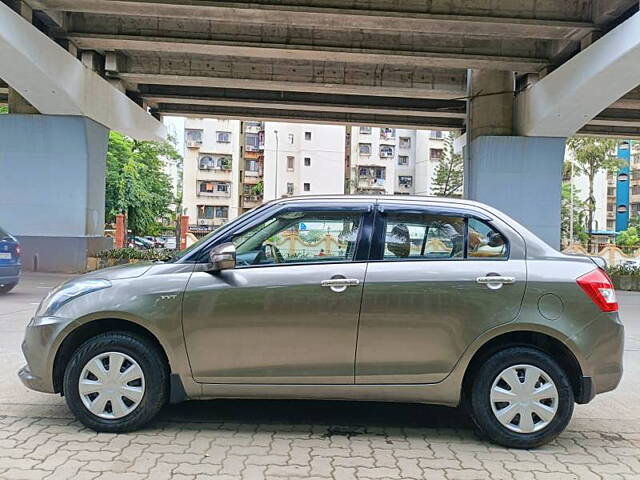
(223, 137)
(291, 138)
(193, 138)
(436, 134)
(365, 149)
(386, 151)
(611, 191)
(252, 142)
(635, 189)
(222, 212)
(206, 187)
(307, 162)
(405, 181)
(307, 187)
(611, 225)
(387, 133)
(252, 165)
(435, 154)
(206, 212)
(405, 142)
(290, 163)
(222, 188)
(403, 160)
(307, 135)
(289, 188)
(211, 162)
(213, 187)
(365, 130)
(372, 172)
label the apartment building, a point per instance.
(303, 159)
(617, 194)
(393, 161)
(225, 163)
(211, 172)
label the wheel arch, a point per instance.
(90, 329)
(543, 342)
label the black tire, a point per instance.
(480, 404)
(154, 368)
(7, 288)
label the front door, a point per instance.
(288, 313)
(429, 293)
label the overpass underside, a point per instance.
(518, 76)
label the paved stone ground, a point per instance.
(324, 440)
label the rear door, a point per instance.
(437, 279)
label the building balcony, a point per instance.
(251, 201)
(252, 178)
(214, 194)
(371, 183)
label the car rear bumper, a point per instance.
(9, 274)
(602, 344)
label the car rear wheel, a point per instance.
(7, 288)
(116, 382)
(521, 398)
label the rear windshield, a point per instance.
(3, 233)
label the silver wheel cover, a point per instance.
(524, 399)
(111, 385)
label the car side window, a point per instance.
(423, 236)
(485, 241)
(300, 237)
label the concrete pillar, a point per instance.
(52, 188)
(519, 175)
(18, 104)
(491, 103)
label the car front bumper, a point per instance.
(42, 339)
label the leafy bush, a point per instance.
(160, 254)
(630, 270)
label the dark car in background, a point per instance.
(9, 261)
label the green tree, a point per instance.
(448, 176)
(629, 237)
(593, 155)
(4, 109)
(579, 214)
(136, 184)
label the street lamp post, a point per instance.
(277, 152)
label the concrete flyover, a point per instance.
(518, 76)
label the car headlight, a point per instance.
(67, 292)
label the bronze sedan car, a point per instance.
(361, 298)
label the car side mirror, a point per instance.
(222, 257)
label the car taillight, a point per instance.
(17, 250)
(599, 287)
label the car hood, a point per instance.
(120, 272)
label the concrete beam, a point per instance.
(307, 116)
(217, 48)
(569, 97)
(349, 87)
(155, 100)
(340, 18)
(56, 83)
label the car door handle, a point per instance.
(495, 281)
(340, 282)
(339, 285)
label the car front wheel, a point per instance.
(7, 288)
(116, 382)
(521, 398)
